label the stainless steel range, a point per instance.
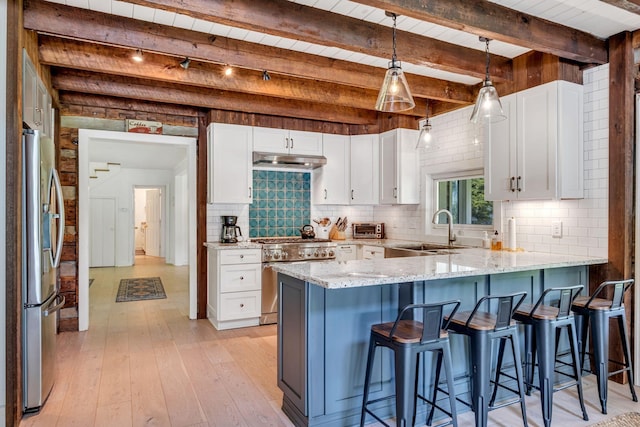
(286, 249)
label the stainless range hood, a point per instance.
(298, 161)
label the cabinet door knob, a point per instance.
(241, 256)
(241, 277)
(241, 305)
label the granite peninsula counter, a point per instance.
(327, 309)
(467, 262)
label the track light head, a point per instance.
(185, 63)
(137, 56)
(265, 76)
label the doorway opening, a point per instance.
(148, 217)
(167, 163)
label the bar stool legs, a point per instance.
(593, 313)
(543, 325)
(409, 339)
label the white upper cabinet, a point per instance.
(36, 102)
(399, 172)
(365, 163)
(272, 140)
(537, 153)
(230, 167)
(331, 182)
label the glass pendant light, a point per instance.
(394, 94)
(488, 107)
(425, 139)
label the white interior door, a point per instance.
(153, 213)
(102, 233)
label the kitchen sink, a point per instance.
(420, 249)
(428, 247)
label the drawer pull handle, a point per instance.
(241, 256)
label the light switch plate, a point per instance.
(556, 229)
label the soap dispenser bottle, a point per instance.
(486, 241)
(496, 243)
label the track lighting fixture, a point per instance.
(488, 107)
(185, 63)
(265, 76)
(394, 94)
(228, 70)
(137, 56)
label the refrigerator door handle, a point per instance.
(60, 215)
(59, 301)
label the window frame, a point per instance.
(458, 175)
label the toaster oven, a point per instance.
(368, 230)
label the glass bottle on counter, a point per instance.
(496, 242)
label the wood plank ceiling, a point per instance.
(326, 58)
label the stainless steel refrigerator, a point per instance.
(42, 231)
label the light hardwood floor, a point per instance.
(145, 364)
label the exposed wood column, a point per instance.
(621, 178)
(621, 155)
(201, 209)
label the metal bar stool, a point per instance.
(408, 338)
(482, 327)
(543, 324)
(595, 311)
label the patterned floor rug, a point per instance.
(630, 419)
(142, 288)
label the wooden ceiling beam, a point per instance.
(82, 24)
(299, 22)
(154, 91)
(110, 60)
(497, 22)
(68, 99)
(632, 6)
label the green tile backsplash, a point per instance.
(281, 203)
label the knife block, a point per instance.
(335, 234)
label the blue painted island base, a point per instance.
(323, 338)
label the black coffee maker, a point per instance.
(231, 233)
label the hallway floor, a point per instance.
(145, 363)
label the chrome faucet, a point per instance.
(452, 235)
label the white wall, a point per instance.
(3, 187)
(179, 240)
(120, 186)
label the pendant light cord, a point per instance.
(486, 78)
(394, 58)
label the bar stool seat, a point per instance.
(482, 327)
(593, 313)
(409, 338)
(543, 324)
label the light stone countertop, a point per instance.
(467, 262)
(239, 245)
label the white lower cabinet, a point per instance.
(234, 292)
(372, 252)
(346, 252)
